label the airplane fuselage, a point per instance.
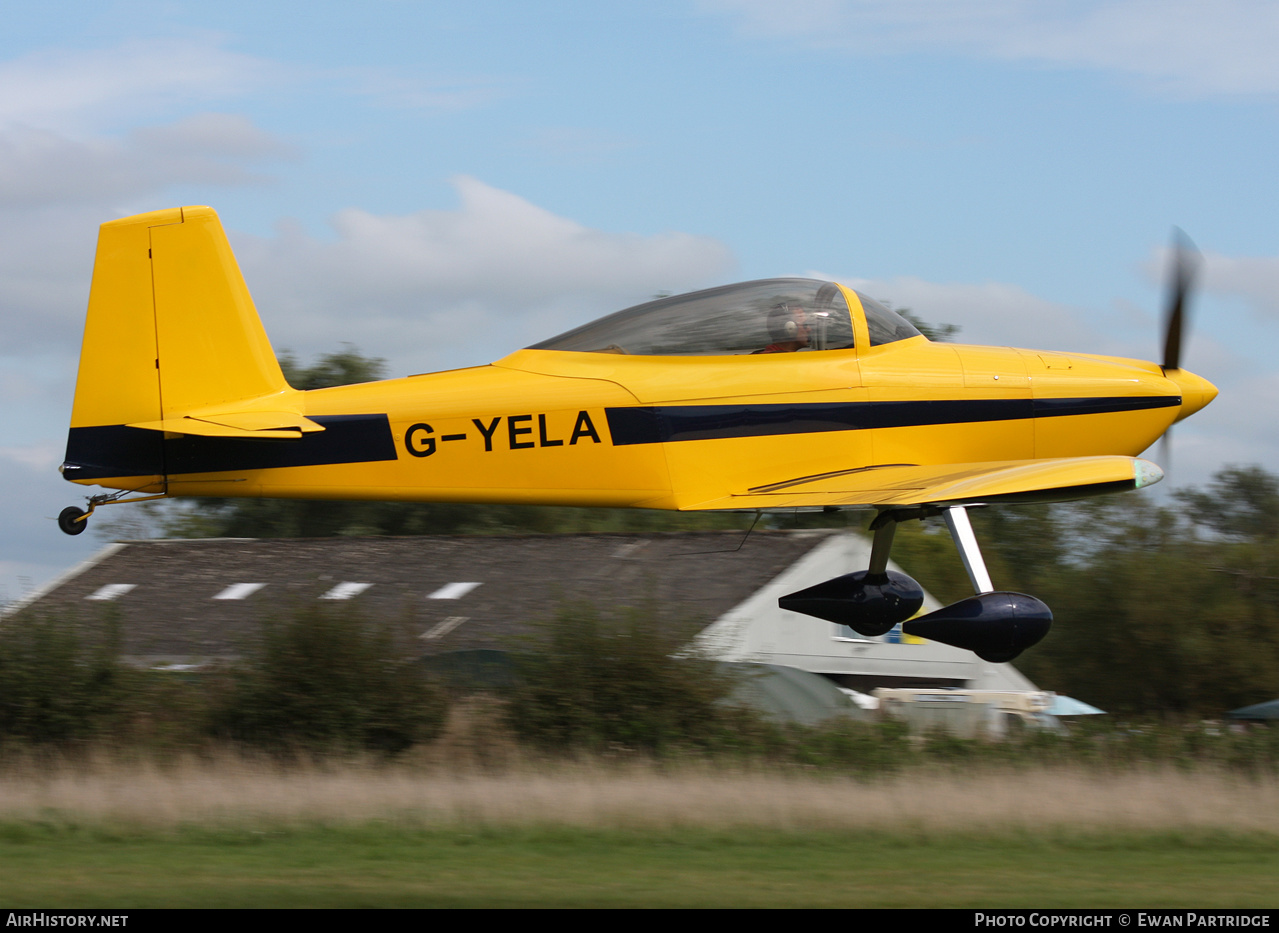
(602, 429)
(777, 393)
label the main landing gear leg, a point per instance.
(996, 625)
(961, 530)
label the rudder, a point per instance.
(171, 329)
(212, 347)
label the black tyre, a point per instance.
(67, 521)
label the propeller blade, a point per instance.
(1165, 451)
(1186, 260)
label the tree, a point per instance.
(1150, 618)
(62, 679)
(942, 333)
(347, 366)
(626, 682)
(323, 679)
(1241, 502)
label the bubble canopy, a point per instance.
(762, 317)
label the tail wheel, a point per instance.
(67, 520)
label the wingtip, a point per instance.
(1146, 473)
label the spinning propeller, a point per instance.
(1186, 260)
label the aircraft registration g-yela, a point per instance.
(774, 394)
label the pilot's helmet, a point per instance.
(786, 322)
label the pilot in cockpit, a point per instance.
(788, 328)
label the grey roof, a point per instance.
(165, 591)
(1266, 710)
(787, 694)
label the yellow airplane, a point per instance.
(774, 394)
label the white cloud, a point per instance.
(55, 190)
(46, 260)
(1255, 279)
(432, 288)
(88, 91)
(40, 167)
(1184, 46)
(45, 455)
(990, 313)
(63, 171)
(460, 285)
(79, 90)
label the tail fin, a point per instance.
(171, 328)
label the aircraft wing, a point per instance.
(950, 484)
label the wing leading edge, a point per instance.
(950, 484)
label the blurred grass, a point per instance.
(379, 865)
(118, 788)
(229, 830)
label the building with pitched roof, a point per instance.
(194, 601)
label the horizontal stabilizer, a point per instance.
(263, 425)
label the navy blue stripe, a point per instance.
(660, 424)
(114, 450)
(119, 450)
(1060, 407)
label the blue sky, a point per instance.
(441, 183)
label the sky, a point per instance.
(440, 183)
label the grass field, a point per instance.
(387, 866)
(233, 832)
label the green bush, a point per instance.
(845, 746)
(599, 683)
(324, 680)
(60, 680)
